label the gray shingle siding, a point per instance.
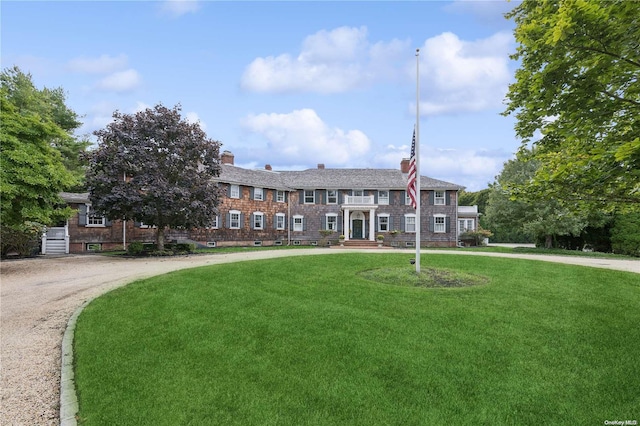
(294, 183)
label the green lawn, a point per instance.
(310, 341)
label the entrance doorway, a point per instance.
(358, 229)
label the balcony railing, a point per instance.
(359, 199)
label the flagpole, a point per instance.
(418, 161)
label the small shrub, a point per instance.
(161, 253)
(476, 236)
(135, 248)
(184, 248)
(23, 240)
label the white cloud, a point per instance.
(193, 118)
(177, 8)
(460, 76)
(122, 81)
(330, 62)
(472, 168)
(141, 106)
(103, 64)
(302, 135)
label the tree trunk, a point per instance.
(160, 238)
(548, 241)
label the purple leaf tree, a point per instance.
(155, 167)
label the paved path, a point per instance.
(38, 296)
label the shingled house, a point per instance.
(266, 207)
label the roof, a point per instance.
(248, 177)
(328, 179)
(75, 198)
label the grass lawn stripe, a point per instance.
(308, 341)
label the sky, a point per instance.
(291, 83)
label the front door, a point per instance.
(358, 227)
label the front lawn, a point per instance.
(316, 341)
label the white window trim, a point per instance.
(443, 224)
(439, 200)
(301, 223)
(234, 191)
(313, 193)
(383, 215)
(231, 213)
(412, 216)
(257, 191)
(383, 200)
(103, 220)
(326, 221)
(255, 216)
(280, 196)
(284, 221)
(462, 225)
(335, 197)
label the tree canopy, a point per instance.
(577, 100)
(156, 168)
(49, 104)
(542, 218)
(32, 169)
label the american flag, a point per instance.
(411, 178)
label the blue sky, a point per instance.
(291, 84)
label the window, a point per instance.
(383, 197)
(383, 223)
(234, 191)
(298, 223)
(95, 220)
(280, 221)
(439, 199)
(258, 194)
(332, 222)
(357, 193)
(258, 220)
(332, 196)
(465, 225)
(309, 196)
(439, 224)
(234, 219)
(214, 222)
(407, 200)
(280, 196)
(410, 223)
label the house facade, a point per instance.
(308, 207)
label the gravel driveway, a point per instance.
(38, 296)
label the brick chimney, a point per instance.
(268, 167)
(320, 166)
(404, 165)
(227, 157)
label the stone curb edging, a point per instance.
(68, 399)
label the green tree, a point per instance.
(32, 172)
(156, 168)
(49, 104)
(577, 89)
(625, 234)
(542, 218)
